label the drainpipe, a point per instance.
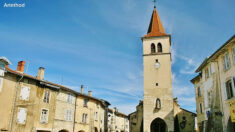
(14, 105)
(220, 92)
(74, 117)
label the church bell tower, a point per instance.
(158, 99)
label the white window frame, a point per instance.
(1, 83)
(96, 115)
(85, 102)
(46, 97)
(207, 73)
(226, 61)
(84, 118)
(44, 121)
(25, 116)
(70, 98)
(232, 81)
(21, 93)
(233, 51)
(68, 115)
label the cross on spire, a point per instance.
(154, 1)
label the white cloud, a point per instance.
(187, 100)
(173, 55)
(181, 91)
(190, 65)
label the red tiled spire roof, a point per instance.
(155, 26)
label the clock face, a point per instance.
(157, 65)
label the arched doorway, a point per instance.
(176, 124)
(96, 130)
(230, 126)
(63, 130)
(158, 125)
(141, 126)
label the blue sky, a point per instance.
(98, 42)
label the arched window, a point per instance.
(153, 49)
(158, 103)
(159, 47)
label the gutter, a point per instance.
(49, 85)
(74, 117)
(14, 106)
(222, 108)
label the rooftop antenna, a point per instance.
(27, 66)
(62, 79)
(154, 2)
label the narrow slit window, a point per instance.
(158, 103)
(201, 108)
(233, 54)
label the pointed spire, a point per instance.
(155, 26)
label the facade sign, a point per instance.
(232, 109)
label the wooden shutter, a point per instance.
(21, 115)
(24, 95)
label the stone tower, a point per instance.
(158, 98)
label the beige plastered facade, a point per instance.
(33, 105)
(162, 76)
(215, 86)
(94, 123)
(30, 104)
(117, 121)
(63, 105)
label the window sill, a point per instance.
(84, 123)
(227, 100)
(85, 106)
(225, 70)
(21, 123)
(43, 122)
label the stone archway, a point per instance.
(158, 125)
(63, 130)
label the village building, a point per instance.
(117, 121)
(25, 102)
(157, 112)
(32, 104)
(64, 119)
(184, 120)
(215, 90)
(91, 113)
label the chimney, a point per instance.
(82, 86)
(89, 93)
(115, 109)
(40, 75)
(20, 66)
